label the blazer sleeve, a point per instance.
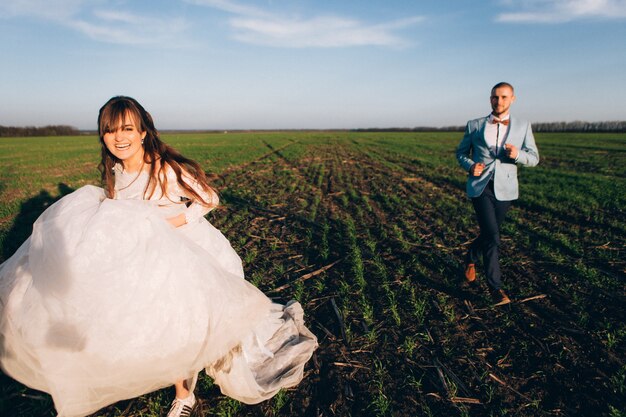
(464, 149)
(528, 154)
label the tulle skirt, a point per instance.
(106, 301)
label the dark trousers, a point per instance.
(490, 213)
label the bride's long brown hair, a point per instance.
(157, 154)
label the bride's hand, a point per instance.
(177, 221)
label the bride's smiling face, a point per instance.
(124, 141)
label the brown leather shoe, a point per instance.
(470, 272)
(500, 298)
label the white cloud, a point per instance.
(109, 26)
(314, 32)
(98, 20)
(231, 7)
(117, 16)
(141, 31)
(127, 28)
(557, 11)
(261, 27)
(53, 10)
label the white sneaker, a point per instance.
(182, 408)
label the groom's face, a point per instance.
(501, 100)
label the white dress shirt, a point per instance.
(495, 133)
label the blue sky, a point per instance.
(241, 64)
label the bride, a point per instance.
(128, 289)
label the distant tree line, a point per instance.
(572, 127)
(576, 126)
(411, 129)
(53, 130)
(579, 126)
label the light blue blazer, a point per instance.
(473, 148)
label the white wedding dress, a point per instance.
(106, 301)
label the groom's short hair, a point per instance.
(503, 84)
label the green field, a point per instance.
(399, 332)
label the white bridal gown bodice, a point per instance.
(132, 186)
(106, 301)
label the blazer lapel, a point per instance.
(481, 130)
(484, 144)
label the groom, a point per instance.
(490, 151)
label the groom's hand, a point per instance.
(476, 170)
(511, 151)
